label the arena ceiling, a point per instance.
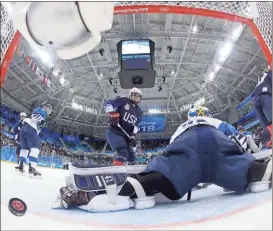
(184, 74)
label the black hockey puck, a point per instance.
(17, 207)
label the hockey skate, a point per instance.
(34, 173)
(20, 167)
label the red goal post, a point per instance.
(241, 12)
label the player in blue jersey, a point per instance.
(17, 129)
(29, 138)
(242, 130)
(199, 152)
(253, 147)
(125, 112)
(263, 104)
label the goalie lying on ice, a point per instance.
(201, 154)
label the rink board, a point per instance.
(206, 205)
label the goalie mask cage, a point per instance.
(241, 12)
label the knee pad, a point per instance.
(23, 155)
(122, 154)
(33, 156)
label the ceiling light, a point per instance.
(225, 51)
(45, 57)
(217, 67)
(55, 72)
(200, 101)
(211, 76)
(194, 29)
(237, 32)
(62, 80)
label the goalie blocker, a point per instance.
(112, 188)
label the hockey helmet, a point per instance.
(240, 128)
(259, 129)
(47, 107)
(197, 111)
(23, 114)
(135, 94)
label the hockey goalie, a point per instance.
(202, 150)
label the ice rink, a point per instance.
(209, 208)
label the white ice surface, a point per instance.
(209, 208)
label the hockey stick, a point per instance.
(122, 129)
(235, 139)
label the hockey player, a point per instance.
(242, 130)
(125, 112)
(29, 138)
(17, 129)
(263, 104)
(198, 153)
(251, 142)
(244, 141)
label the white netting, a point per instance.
(263, 21)
(7, 29)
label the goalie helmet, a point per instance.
(135, 95)
(199, 111)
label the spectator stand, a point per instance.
(56, 152)
(248, 117)
(9, 118)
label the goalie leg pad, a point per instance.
(260, 176)
(100, 203)
(263, 155)
(98, 182)
(88, 169)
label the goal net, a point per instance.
(258, 16)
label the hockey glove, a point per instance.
(114, 118)
(133, 140)
(41, 124)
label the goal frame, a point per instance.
(158, 8)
